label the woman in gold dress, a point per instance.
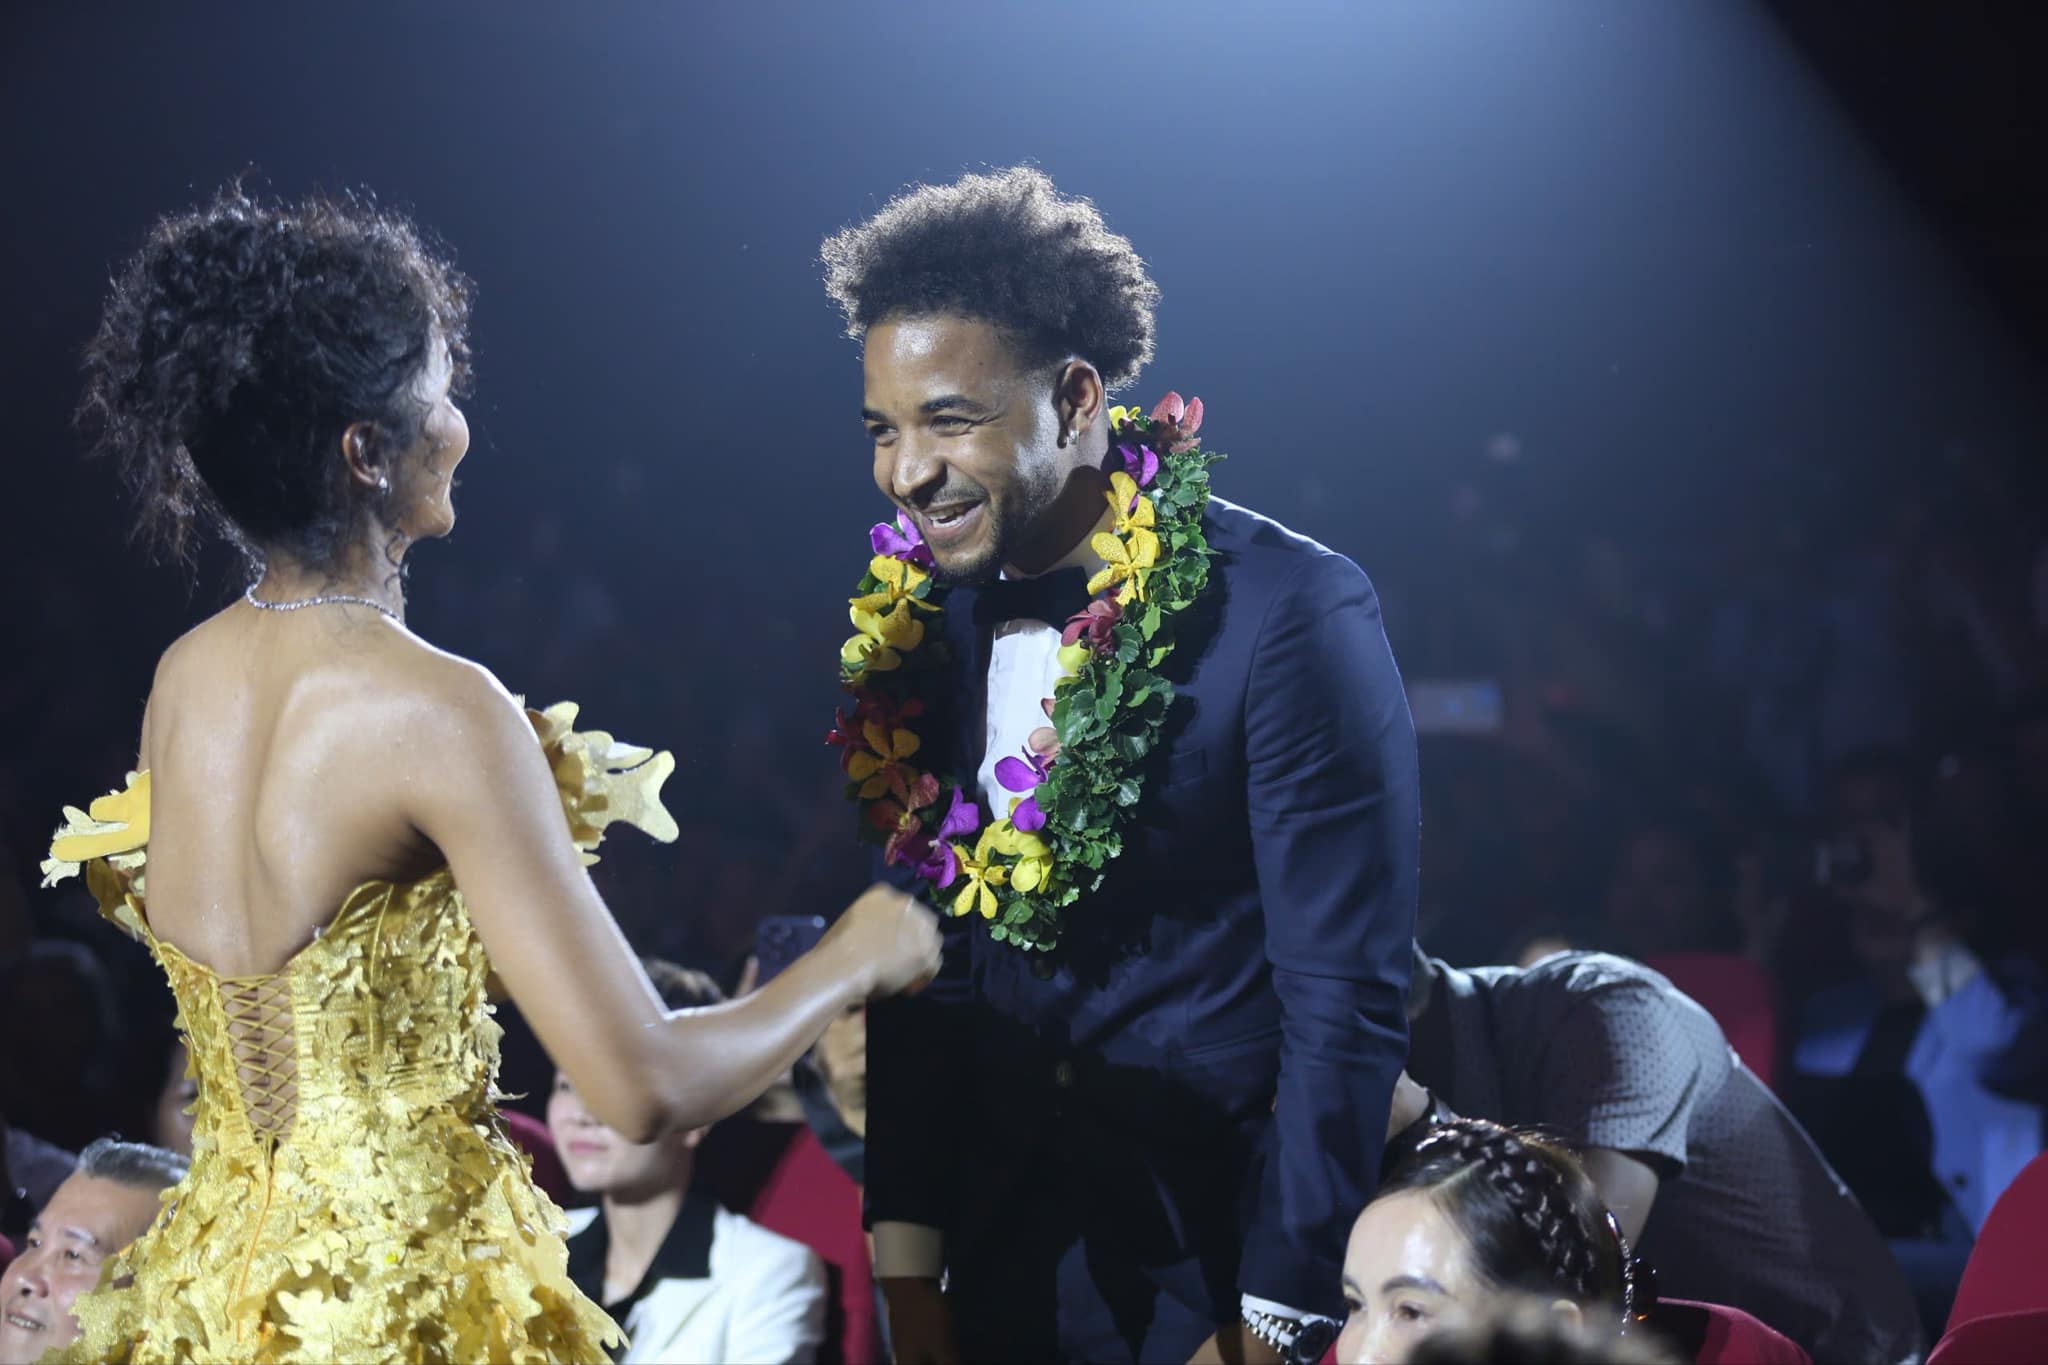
(337, 832)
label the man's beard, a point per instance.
(1005, 532)
(986, 566)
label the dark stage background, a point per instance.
(1584, 327)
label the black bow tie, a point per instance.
(1050, 597)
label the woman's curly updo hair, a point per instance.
(1007, 248)
(242, 341)
(1526, 1207)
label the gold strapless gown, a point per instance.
(352, 1195)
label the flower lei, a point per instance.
(1074, 789)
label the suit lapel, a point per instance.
(967, 698)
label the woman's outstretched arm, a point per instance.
(477, 786)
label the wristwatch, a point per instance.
(1303, 1342)
(1312, 1342)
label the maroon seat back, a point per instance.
(2001, 1339)
(2008, 1268)
(779, 1175)
(1739, 994)
(1715, 1334)
(533, 1138)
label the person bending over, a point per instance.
(1707, 1172)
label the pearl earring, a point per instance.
(383, 483)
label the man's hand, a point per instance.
(1234, 1344)
(920, 1323)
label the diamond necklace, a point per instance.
(324, 599)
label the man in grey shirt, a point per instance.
(1713, 1181)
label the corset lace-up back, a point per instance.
(258, 1010)
(352, 1194)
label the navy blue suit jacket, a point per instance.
(1210, 1054)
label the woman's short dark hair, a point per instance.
(1007, 248)
(1526, 1207)
(240, 343)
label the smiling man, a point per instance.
(100, 1208)
(1143, 1143)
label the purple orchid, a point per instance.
(1022, 775)
(1027, 818)
(1141, 463)
(931, 855)
(900, 541)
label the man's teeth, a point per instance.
(951, 515)
(19, 1321)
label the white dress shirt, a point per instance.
(763, 1302)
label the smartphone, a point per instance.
(1455, 706)
(781, 939)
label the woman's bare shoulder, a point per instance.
(373, 674)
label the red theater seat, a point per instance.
(1715, 1334)
(780, 1176)
(534, 1139)
(1741, 997)
(2008, 1268)
(2001, 1339)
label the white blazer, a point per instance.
(763, 1304)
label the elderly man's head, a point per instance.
(104, 1205)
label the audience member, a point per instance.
(1472, 1213)
(66, 1087)
(1926, 1008)
(104, 1205)
(1667, 894)
(686, 1279)
(30, 1172)
(1727, 1195)
(832, 1086)
(171, 1118)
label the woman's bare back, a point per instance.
(278, 765)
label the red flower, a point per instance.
(868, 705)
(1175, 423)
(900, 819)
(1093, 624)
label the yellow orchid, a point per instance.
(1033, 867)
(1134, 511)
(879, 767)
(1132, 548)
(1071, 659)
(1122, 416)
(883, 639)
(900, 582)
(1126, 563)
(979, 876)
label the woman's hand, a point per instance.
(889, 939)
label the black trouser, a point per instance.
(1095, 1256)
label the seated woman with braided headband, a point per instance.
(1475, 1213)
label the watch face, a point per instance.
(1312, 1342)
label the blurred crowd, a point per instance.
(1795, 762)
